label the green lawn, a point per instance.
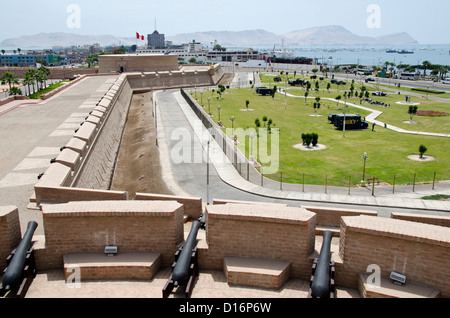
(37, 95)
(342, 159)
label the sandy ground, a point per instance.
(143, 172)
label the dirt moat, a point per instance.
(138, 167)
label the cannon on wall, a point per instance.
(185, 267)
(21, 266)
(323, 270)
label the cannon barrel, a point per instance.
(320, 287)
(181, 270)
(17, 264)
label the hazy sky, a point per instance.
(426, 21)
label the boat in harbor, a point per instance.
(405, 52)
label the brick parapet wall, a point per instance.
(332, 216)
(97, 169)
(132, 226)
(243, 231)
(420, 251)
(193, 206)
(421, 218)
(10, 233)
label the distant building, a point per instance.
(19, 60)
(137, 63)
(156, 40)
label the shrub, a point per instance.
(422, 150)
(314, 139)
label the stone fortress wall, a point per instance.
(82, 216)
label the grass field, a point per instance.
(46, 90)
(388, 151)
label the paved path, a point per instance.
(32, 133)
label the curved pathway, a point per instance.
(374, 114)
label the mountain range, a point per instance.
(326, 35)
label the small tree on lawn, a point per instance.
(308, 140)
(269, 126)
(316, 107)
(306, 96)
(247, 102)
(314, 139)
(422, 150)
(328, 86)
(265, 120)
(338, 98)
(304, 139)
(258, 125)
(412, 111)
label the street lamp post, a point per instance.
(207, 176)
(365, 158)
(209, 105)
(345, 108)
(252, 136)
(232, 119)
(219, 108)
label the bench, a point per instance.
(254, 272)
(122, 266)
(388, 289)
(373, 180)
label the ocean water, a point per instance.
(367, 55)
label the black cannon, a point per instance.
(21, 265)
(322, 279)
(185, 268)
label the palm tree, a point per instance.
(10, 79)
(46, 74)
(426, 65)
(41, 77)
(15, 91)
(31, 73)
(28, 80)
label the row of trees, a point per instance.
(34, 78)
(426, 66)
